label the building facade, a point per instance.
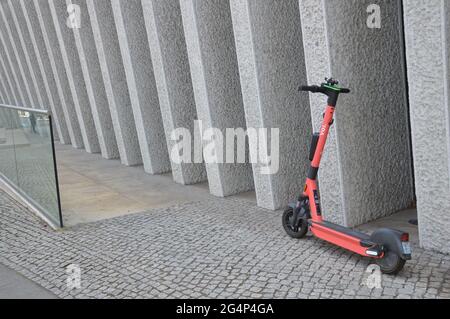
(119, 76)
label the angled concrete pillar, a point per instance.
(271, 64)
(85, 43)
(111, 63)
(25, 52)
(59, 71)
(7, 78)
(135, 50)
(72, 65)
(171, 67)
(215, 77)
(8, 97)
(4, 95)
(10, 63)
(368, 166)
(29, 19)
(427, 30)
(18, 55)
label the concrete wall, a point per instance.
(113, 72)
(372, 149)
(90, 65)
(26, 9)
(427, 49)
(135, 51)
(271, 63)
(215, 76)
(137, 70)
(72, 66)
(52, 47)
(173, 81)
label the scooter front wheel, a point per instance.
(391, 263)
(291, 230)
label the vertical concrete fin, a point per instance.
(50, 38)
(215, 76)
(113, 73)
(32, 69)
(173, 81)
(36, 38)
(135, 51)
(427, 46)
(271, 64)
(318, 66)
(75, 80)
(11, 64)
(90, 65)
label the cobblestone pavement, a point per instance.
(211, 249)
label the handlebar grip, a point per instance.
(312, 89)
(345, 91)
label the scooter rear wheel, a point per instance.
(294, 232)
(391, 263)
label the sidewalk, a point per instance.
(15, 286)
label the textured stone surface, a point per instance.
(171, 67)
(25, 50)
(4, 86)
(7, 80)
(71, 60)
(137, 257)
(31, 20)
(17, 57)
(90, 65)
(215, 76)
(134, 47)
(373, 151)
(111, 64)
(59, 72)
(10, 64)
(271, 62)
(427, 48)
(317, 58)
(7, 76)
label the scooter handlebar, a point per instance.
(319, 89)
(312, 88)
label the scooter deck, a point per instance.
(345, 230)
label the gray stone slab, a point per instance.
(72, 65)
(18, 56)
(372, 147)
(26, 53)
(11, 64)
(114, 78)
(427, 32)
(135, 50)
(317, 58)
(30, 18)
(59, 71)
(171, 68)
(90, 65)
(215, 76)
(271, 62)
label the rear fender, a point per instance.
(391, 240)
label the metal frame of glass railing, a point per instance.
(41, 212)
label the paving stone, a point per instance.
(225, 248)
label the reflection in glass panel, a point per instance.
(27, 158)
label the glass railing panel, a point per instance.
(34, 161)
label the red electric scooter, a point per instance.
(390, 248)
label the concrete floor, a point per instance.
(93, 188)
(15, 286)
